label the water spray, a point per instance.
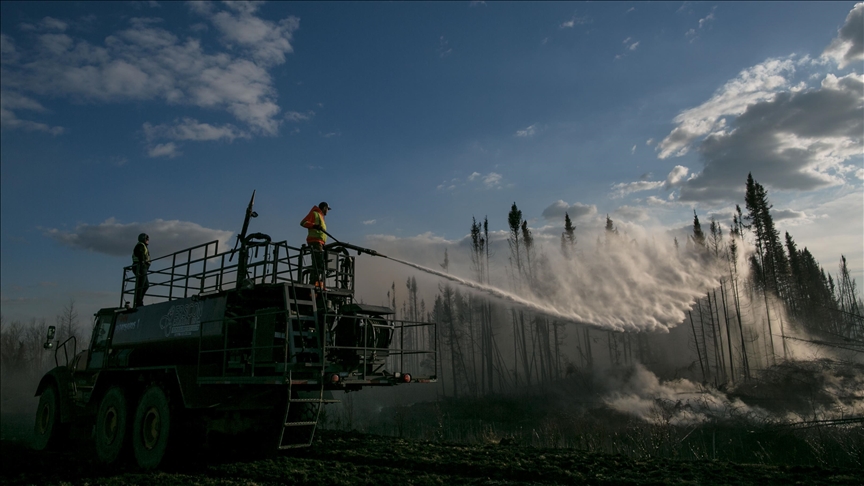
(488, 289)
(501, 294)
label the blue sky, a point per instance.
(409, 119)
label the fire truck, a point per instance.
(239, 342)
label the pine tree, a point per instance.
(773, 265)
(568, 238)
(698, 236)
(514, 240)
(611, 231)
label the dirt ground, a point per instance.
(339, 458)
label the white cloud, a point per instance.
(781, 214)
(556, 211)
(798, 140)
(191, 129)
(147, 62)
(164, 150)
(492, 179)
(623, 188)
(708, 18)
(574, 21)
(295, 116)
(527, 132)
(267, 41)
(368, 222)
(10, 101)
(113, 238)
(633, 150)
(676, 177)
(759, 83)
(848, 46)
(633, 46)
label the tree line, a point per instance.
(21, 342)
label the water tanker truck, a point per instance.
(239, 343)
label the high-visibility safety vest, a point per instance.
(145, 253)
(314, 217)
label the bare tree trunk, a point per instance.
(696, 340)
(728, 333)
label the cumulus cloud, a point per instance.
(266, 41)
(492, 179)
(790, 135)
(11, 101)
(755, 84)
(797, 141)
(113, 238)
(781, 214)
(556, 210)
(675, 178)
(145, 62)
(848, 46)
(191, 129)
(164, 150)
(623, 188)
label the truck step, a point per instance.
(294, 446)
(299, 424)
(313, 400)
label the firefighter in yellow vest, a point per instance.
(141, 265)
(317, 237)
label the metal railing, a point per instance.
(203, 270)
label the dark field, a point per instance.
(340, 458)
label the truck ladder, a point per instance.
(299, 430)
(303, 326)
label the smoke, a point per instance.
(678, 402)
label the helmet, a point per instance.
(324, 205)
(143, 236)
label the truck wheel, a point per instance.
(151, 428)
(111, 425)
(46, 431)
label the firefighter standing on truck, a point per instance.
(317, 237)
(141, 265)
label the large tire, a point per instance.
(151, 428)
(47, 429)
(111, 426)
